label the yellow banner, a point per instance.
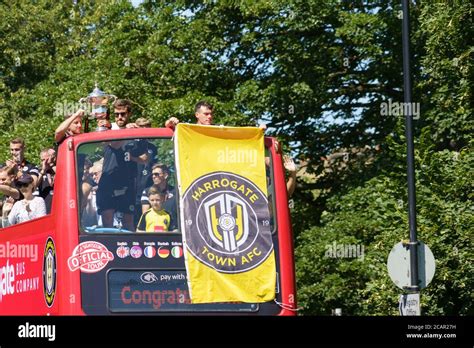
(225, 219)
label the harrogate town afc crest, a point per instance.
(49, 272)
(227, 222)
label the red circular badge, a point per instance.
(89, 257)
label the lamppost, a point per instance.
(411, 265)
(410, 148)
(407, 88)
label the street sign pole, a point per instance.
(414, 288)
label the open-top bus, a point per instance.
(44, 272)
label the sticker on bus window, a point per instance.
(89, 257)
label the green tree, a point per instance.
(372, 212)
(374, 216)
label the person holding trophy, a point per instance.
(72, 125)
(97, 102)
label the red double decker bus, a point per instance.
(45, 271)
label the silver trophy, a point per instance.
(97, 102)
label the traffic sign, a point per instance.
(409, 304)
(398, 265)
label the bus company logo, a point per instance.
(7, 280)
(227, 225)
(49, 272)
(89, 257)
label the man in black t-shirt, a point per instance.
(160, 175)
(116, 189)
(47, 175)
(144, 179)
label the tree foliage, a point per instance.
(374, 216)
(372, 212)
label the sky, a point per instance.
(136, 2)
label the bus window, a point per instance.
(115, 179)
(114, 186)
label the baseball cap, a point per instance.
(25, 179)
